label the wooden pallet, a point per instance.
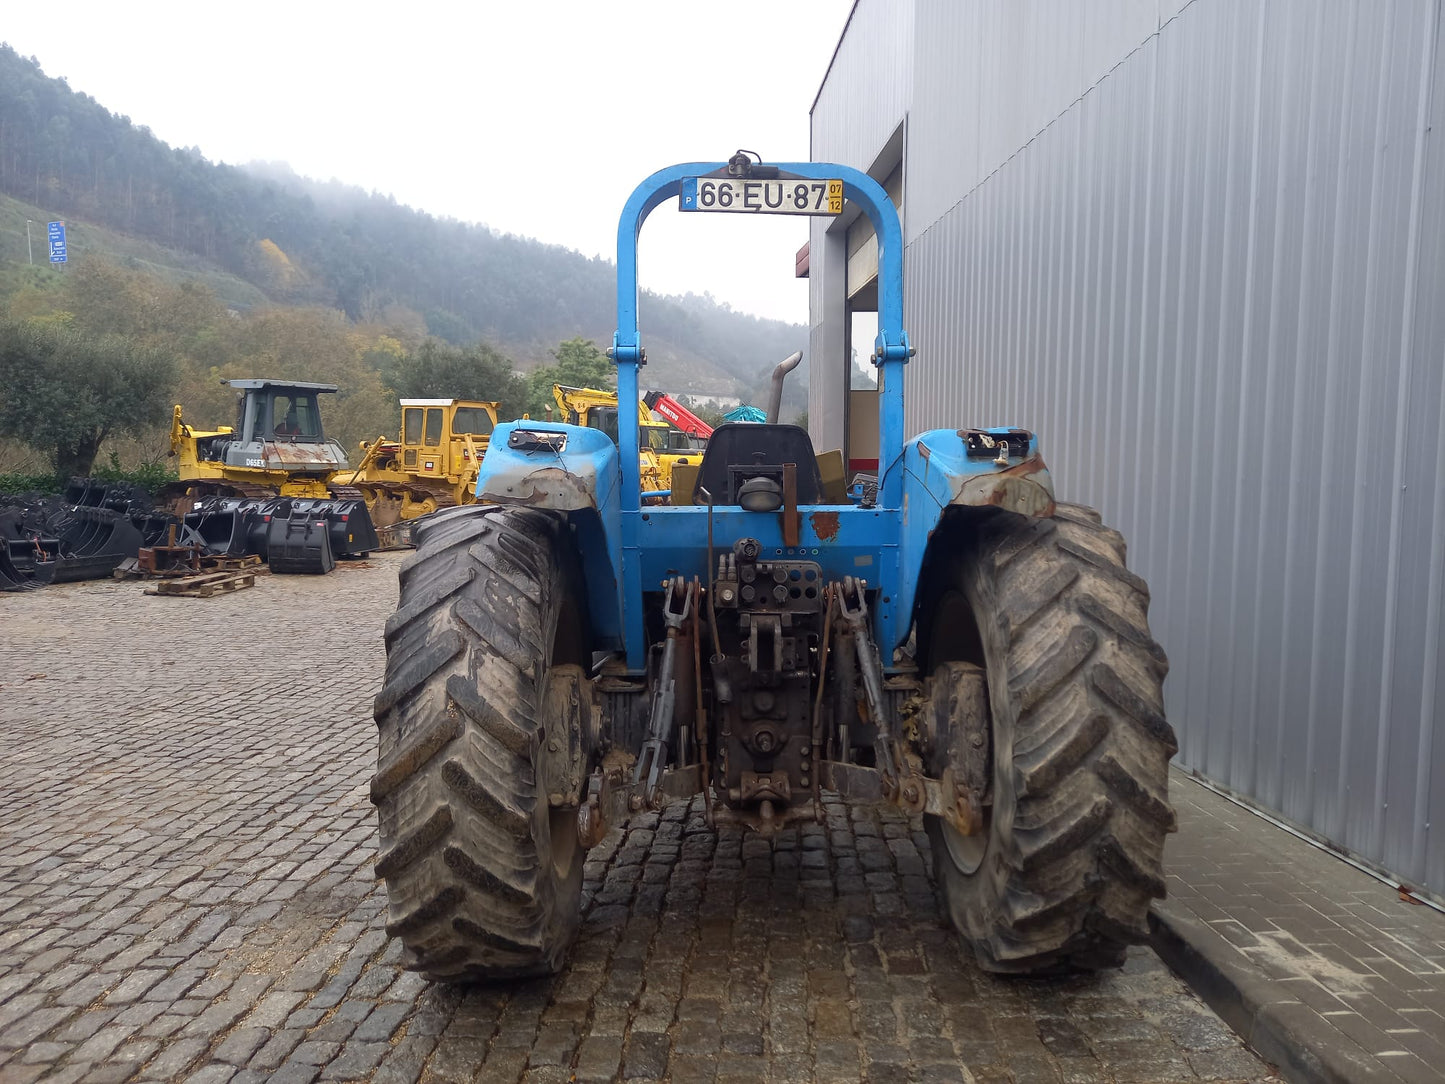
(249, 563)
(204, 586)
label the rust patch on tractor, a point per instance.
(1025, 488)
(825, 525)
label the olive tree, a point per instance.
(64, 391)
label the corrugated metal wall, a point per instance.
(853, 118)
(1201, 248)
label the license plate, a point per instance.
(776, 197)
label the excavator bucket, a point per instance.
(93, 541)
(50, 541)
(33, 560)
(230, 526)
(17, 565)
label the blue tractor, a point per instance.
(950, 640)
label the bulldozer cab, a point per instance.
(271, 410)
(278, 429)
(294, 415)
(435, 434)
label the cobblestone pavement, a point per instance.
(186, 894)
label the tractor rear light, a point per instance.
(760, 495)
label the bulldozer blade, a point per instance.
(395, 536)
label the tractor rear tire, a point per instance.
(1071, 853)
(483, 872)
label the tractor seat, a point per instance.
(737, 451)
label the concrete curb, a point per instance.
(1284, 1031)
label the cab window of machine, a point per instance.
(654, 437)
(294, 417)
(411, 425)
(472, 420)
(434, 426)
(605, 419)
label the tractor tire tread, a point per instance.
(469, 881)
(1090, 747)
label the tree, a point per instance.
(713, 415)
(580, 364)
(438, 370)
(63, 391)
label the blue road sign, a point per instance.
(56, 230)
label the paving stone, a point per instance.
(193, 899)
(239, 1046)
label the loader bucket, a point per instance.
(298, 540)
(347, 521)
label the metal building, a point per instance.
(1200, 247)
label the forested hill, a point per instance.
(305, 244)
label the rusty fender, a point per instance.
(1025, 488)
(547, 487)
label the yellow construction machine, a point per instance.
(433, 465)
(269, 484)
(660, 446)
(276, 447)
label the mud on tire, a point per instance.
(1062, 876)
(483, 874)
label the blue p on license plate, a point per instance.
(762, 197)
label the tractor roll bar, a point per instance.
(891, 349)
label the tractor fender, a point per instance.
(581, 476)
(948, 472)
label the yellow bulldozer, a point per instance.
(434, 464)
(276, 447)
(661, 447)
(268, 485)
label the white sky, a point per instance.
(536, 118)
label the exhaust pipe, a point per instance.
(775, 397)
